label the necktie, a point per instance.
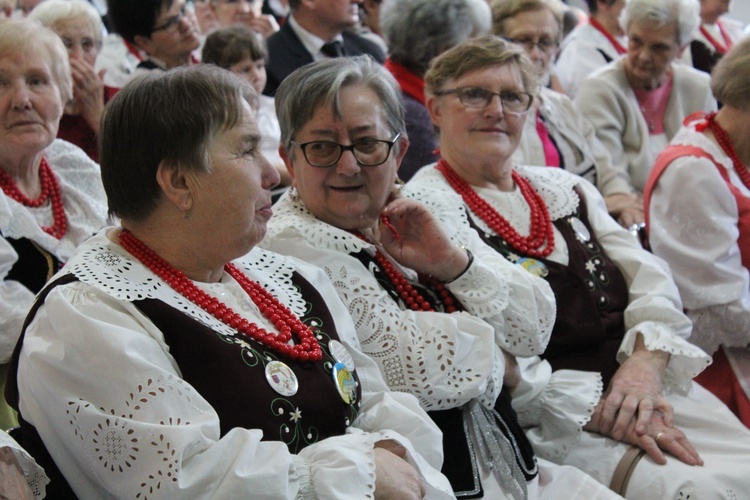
(333, 49)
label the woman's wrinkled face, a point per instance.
(651, 50)
(538, 32)
(346, 194)
(232, 202)
(79, 39)
(30, 102)
(479, 135)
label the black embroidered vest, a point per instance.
(591, 295)
(460, 461)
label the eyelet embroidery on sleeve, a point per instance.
(383, 335)
(114, 444)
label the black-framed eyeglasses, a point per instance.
(367, 152)
(512, 101)
(171, 23)
(544, 44)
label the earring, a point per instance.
(293, 194)
(398, 188)
(186, 214)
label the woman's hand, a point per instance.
(265, 24)
(512, 376)
(627, 209)
(88, 92)
(634, 393)
(660, 438)
(394, 476)
(12, 480)
(420, 243)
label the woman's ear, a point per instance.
(174, 184)
(433, 106)
(287, 161)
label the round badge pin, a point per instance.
(582, 232)
(281, 378)
(535, 267)
(345, 383)
(341, 354)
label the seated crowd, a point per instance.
(374, 249)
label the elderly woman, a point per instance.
(637, 104)
(697, 199)
(217, 375)
(52, 197)
(79, 25)
(416, 31)
(619, 313)
(559, 135)
(416, 298)
(164, 31)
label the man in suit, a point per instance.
(315, 30)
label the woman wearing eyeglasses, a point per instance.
(556, 133)
(618, 311)
(166, 31)
(436, 319)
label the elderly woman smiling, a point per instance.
(221, 376)
(637, 104)
(435, 318)
(619, 313)
(52, 197)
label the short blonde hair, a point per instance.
(23, 36)
(479, 53)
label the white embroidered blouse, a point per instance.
(110, 403)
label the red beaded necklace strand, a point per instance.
(408, 293)
(722, 137)
(308, 348)
(50, 190)
(540, 227)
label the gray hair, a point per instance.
(417, 31)
(24, 36)
(684, 14)
(169, 117)
(730, 79)
(51, 12)
(320, 83)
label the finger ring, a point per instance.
(658, 436)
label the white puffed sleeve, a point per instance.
(655, 308)
(553, 407)
(98, 383)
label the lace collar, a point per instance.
(108, 267)
(293, 216)
(83, 197)
(555, 186)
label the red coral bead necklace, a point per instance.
(541, 230)
(50, 190)
(408, 293)
(307, 348)
(722, 137)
